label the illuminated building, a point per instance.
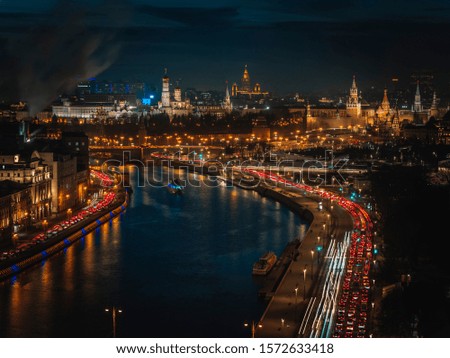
(384, 110)
(68, 160)
(246, 91)
(434, 110)
(417, 107)
(87, 111)
(353, 103)
(173, 105)
(15, 201)
(227, 105)
(26, 181)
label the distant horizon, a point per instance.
(289, 46)
(403, 82)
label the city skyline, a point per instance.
(288, 46)
(266, 169)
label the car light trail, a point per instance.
(349, 268)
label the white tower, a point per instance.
(227, 102)
(177, 94)
(165, 95)
(434, 111)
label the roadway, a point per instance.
(328, 296)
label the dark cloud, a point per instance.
(289, 45)
(193, 16)
(322, 6)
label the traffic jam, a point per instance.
(353, 304)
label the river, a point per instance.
(176, 265)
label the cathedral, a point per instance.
(173, 105)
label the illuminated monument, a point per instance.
(173, 105)
(353, 102)
(246, 90)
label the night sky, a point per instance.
(288, 45)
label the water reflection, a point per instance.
(176, 265)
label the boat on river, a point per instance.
(264, 264)
(175, 187)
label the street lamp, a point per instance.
(253, 327)
(296, 293)
(114, 311)
(304, 282)
(312, 264)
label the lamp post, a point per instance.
(253, 327)
(296, 293)
(114, 311)
(330, 224)
(304, 282)
(312, 264)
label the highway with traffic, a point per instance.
(339, 302)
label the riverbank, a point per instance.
(348, 251)
(289, 297)
(64, 240)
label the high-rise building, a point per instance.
(246, 90)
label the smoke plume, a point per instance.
(62, 50)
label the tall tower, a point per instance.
(177, 93)
(245, 81)
(434, 112)
(234, 89)
(227, 102)
(417, 101)
(165, 95)
(353, 103)
(396, 123)
(385, 107)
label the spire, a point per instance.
(245, 80)
(227, 103)
(227, 92)
(353, 103)
(385, 104)
(308, 109)
(434, 103)
(417, 100)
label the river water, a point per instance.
(177, 266)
